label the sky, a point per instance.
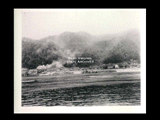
(37, 24)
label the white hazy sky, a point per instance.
(37, 24)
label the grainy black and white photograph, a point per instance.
(80, 57)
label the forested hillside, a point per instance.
(113, 48)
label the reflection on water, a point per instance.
(115, 94)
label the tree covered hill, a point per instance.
(103, 49)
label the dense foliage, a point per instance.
(116, 49)
(124, 51)
(36, 53)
